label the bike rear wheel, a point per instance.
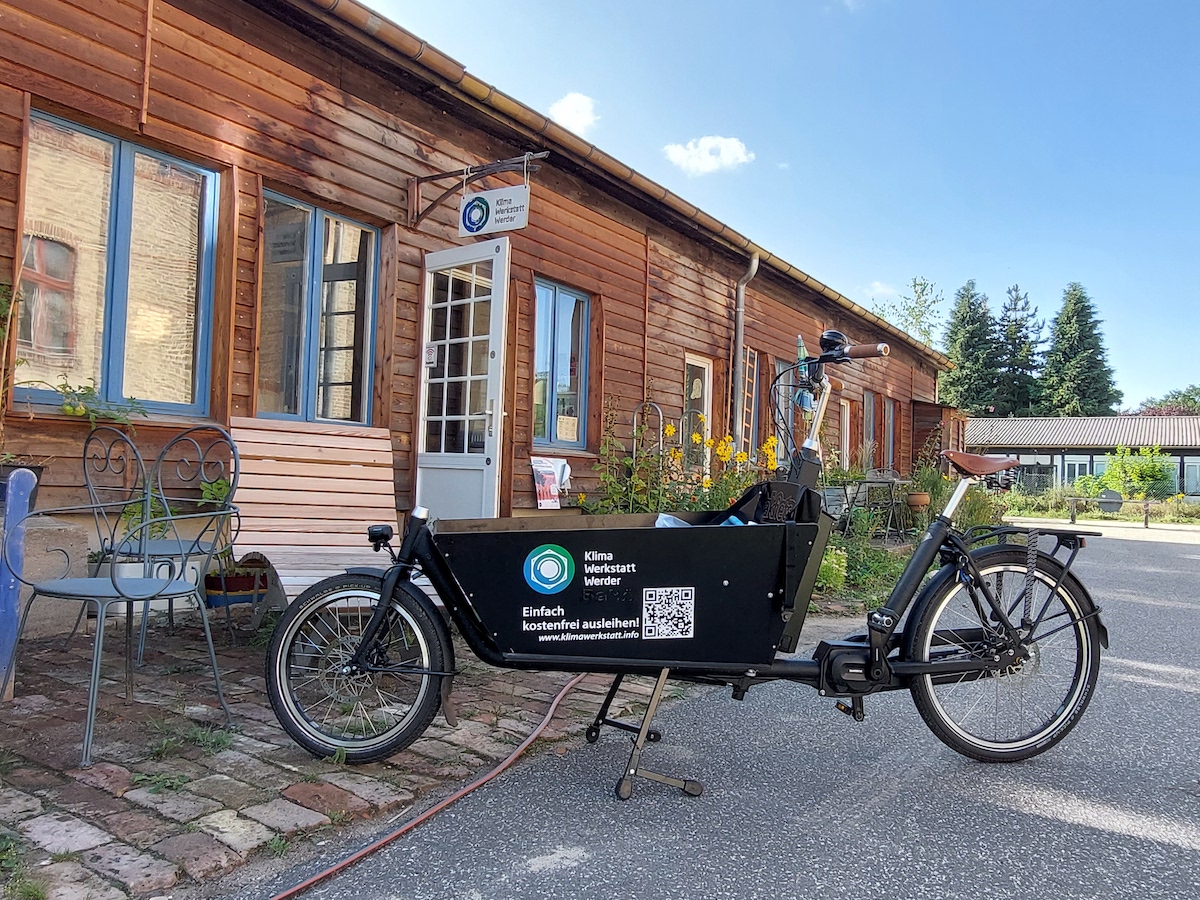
(366, 716)
(1012, 713)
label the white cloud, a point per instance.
(783, 165)
(575, 111)
(881, 290)
(708, 154)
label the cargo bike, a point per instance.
(991, 632)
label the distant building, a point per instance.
(1057, 450)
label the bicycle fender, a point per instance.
(370, 571)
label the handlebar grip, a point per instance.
(864, 351)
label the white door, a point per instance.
(462, 384)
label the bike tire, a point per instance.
(966, 712)
(366, 717)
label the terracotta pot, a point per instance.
(918, 499)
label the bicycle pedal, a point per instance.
(854, 709)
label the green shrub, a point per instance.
(832, 575)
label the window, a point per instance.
(560, 365)
(783, 411)
(697, 408)
(117, 257)
(889, 433)
(747, 435)
(868, 448)
(1075, 466)
(318, 293)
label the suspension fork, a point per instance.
(402, 563)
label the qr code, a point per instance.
(668, 612)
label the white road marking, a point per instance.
(1059, 806)
(1157, 668)
(1154, 682)
(561, 858)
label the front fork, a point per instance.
(397, 572)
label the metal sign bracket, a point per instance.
(463, 177)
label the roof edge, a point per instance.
(454, 75)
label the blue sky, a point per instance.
(868, 141)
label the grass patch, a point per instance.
(69, 856)
(19, 885)
(22, 888)
(211, 740)
(337, 816)
(160, 782)
(278, 845)
(338, 758)
(262, 637)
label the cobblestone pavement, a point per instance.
(174, 799)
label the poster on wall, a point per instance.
(545, 481)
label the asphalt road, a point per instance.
(800, 801)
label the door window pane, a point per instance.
(697, 409)
(164, 281)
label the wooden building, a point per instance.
(206, 204)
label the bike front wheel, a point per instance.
(370, 715)
(1011, 713)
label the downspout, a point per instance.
(739, 366)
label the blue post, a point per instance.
(16, 507)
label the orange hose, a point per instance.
(479, 782)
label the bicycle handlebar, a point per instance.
(866, 351)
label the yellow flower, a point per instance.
(706, 483)
(669, 430)
(724, 451)
(700, 418)
(708, 443)
(741, 457)
(696, 438)
(675, 454)
(581, 498)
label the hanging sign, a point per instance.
(505, 209)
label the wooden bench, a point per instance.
(307, 493)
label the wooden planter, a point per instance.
(225, 590)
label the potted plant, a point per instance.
(234, 583)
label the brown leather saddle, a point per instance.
(978, 466)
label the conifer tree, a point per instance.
(1020, 338)
(1076, 377)
(972, 347)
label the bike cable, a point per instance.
(303, 886)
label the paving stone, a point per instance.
(227, 791)
(174, 766)
(30, 778)
(266, 776)
(379, 794)
(105, 776)
(182, 806)
(141, 872)
(201, 855)
(238, 832)
(437, 750)
(141, 829)
(255, 711)
(322, 796)
(71, 881)
(60, 832)
(286, 817)
(479, 739)
(17, 805)
(85, 800)
(252, 746)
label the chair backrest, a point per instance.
(197, 470)
(115, 475)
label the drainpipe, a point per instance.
(739, 366)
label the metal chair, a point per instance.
(136, 574)
(196, 472)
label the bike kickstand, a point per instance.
(593, 731)
(624, 788)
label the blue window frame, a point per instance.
(563, 321)
(118, 244)
(316, 322)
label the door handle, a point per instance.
(491, 417)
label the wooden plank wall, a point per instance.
(232, 88)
